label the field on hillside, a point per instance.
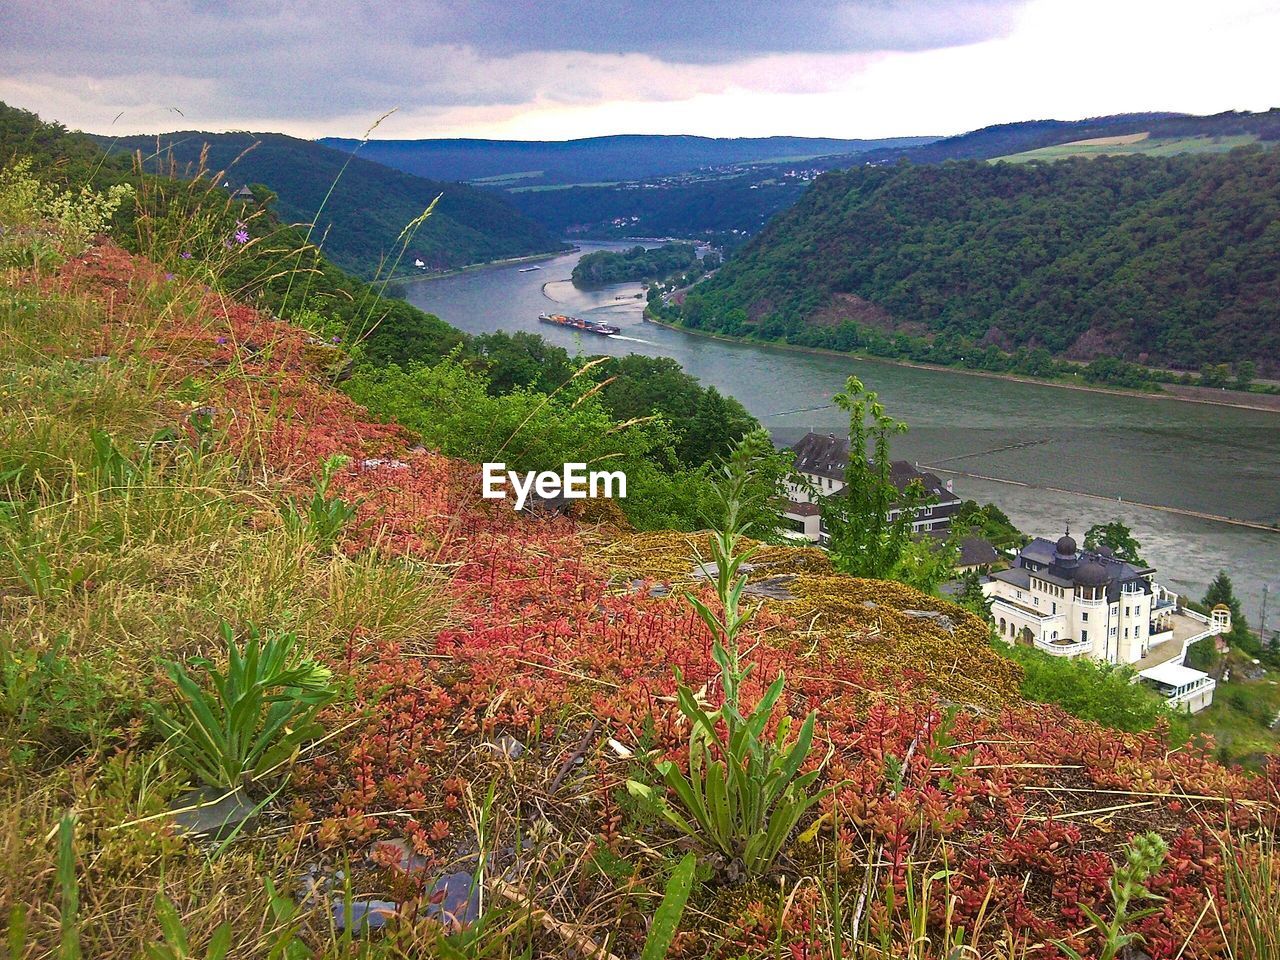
(1136, 143)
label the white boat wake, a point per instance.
(618, 336)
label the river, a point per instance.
(1099, 450)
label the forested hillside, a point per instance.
(1162, 261)
(369, 206)
(593, 159)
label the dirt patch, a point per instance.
(849, 307)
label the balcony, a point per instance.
(1065, 647)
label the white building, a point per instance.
(1080, 603)
(823, 459)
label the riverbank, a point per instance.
(1231, 398)
(486, 265)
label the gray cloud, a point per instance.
(236, 59)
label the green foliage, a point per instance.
(45, 224)
(449, 406)
(324, 517)
(255, 715)
(608, 266)
(926, 562)
(1117, 538)
(666, 919)
(742, 795)
(1133, 257)
(989, 522)
(1102, 692)
(175, 944)
(1144, 855)
(757, 510)
(69, 886)
(865, 541)
(358, 207)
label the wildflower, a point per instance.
(168, 276)
(186, 254)
(336, 340)
(242, 232)
(221, 340)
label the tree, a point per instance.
(972, 597)
(1245, 372)
(710, 433)
(1117, 538)
(864, 541)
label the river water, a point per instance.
(1099, 451)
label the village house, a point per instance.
(822, 460)
(1070, 602)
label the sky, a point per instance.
(560, 69)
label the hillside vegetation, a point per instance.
(1164, 261)
(359, 222)
(593, 159)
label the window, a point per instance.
(1126, 633)
(1054, 606)
(1084, 616)
(1137, 631)
(1128, 611)
(1035, 601)
(1084, 636)
(1113, 631)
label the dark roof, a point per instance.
(822, 455)
(976, 552)
(1085, 568)
(803, 509)
(826, 455)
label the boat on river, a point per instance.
(578, 323)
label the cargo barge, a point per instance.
(577, 323)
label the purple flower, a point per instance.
(242, 232)
(337, 339)
(186, 254)
(168, 276)
(221, 340)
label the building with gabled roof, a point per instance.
(823, 459)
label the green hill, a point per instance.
(1167, 261)
(513, 163)
(369, 206)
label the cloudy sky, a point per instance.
(558, 69)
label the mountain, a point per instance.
(729, 204)
(1004, 139)
(369, 205)
(527, 163)
(1163, 261)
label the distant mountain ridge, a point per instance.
(1002, 139)
(369, 206)
(594, 159)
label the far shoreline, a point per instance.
(1016, 378)
(485, 265)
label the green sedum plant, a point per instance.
(744, 794)
(255, 714)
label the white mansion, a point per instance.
(1071, 603)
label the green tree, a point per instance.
(864, 540)
(710, 432)
(1246, 370)
(1117, 538)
